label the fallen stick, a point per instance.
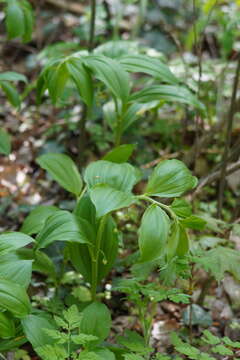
(66, 5)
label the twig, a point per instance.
(92, 25)
(215, 176)
(228, 140)
(66, 5)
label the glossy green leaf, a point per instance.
(41, 261)
(181, 208)
(194, 222)
(105, 354)
(12, 241)
(35, 221)
(107, 199)
(5, 142)
(12, 76)
(173, 240)
(14, 298)
(11, 93)
(79, 253)
(62, 168)
(15, 268)
(169, 179)
(28, 20)
(64, 226)
(183, 241)
(82, 79)
(120, 154)
(57, 77)
(120, 176)
(33, 327)
(153, 233)
(149, 65)
(7, 326)
(96, 320)
(14, 19)
(112, 74)
(167, 93)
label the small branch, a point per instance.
(92, 25)
(228, 140)
(215, 176)
(66, 5)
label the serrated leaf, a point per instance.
(107, 199)
(63, 170)
(35, 221)
(13, 298)
(170, 178)
(222, 350)
(209, 338)
(220, 260)
(149, 65)
(5, 142)
(153, 233)
(134, 342)
(83, 339)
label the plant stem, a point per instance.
(228, 140)
(92, 25)
(95, 258)
(163, 206)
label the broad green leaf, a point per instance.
(28, 20)
(120, 176)
(14, 19)
(79, 253)
(96, 320)
(107, 199)
(14, 298)
(82, 78)
(173, 240)
(7, 326)
(170, 178)
(183, 241)
(111, 73)
(194, 222)
(5, 142)
(64, 226)
(153, 233)
(105, 354)
(41, 262)
(12, 76)
(11, 93)
(149, 65)
(35, 221)
(12, 241)
(57, 77)
(181, 208)
(120, 154)
(167, 93)
(33, 327)
(15, 268)
(63, 170)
